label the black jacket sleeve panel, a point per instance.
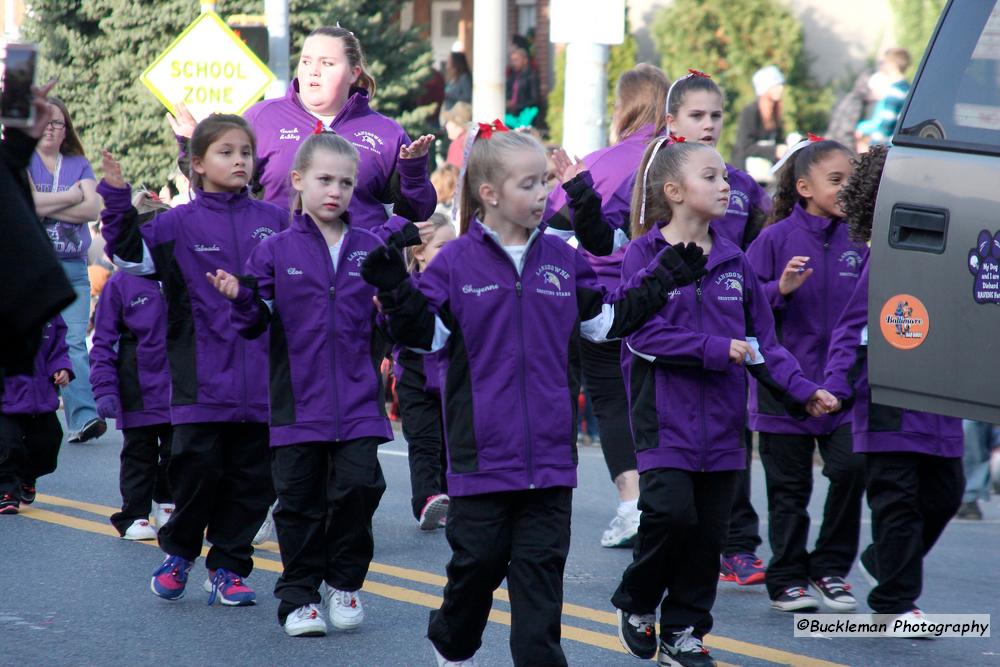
(596, 235)
(408, 317)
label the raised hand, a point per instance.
(384, 268)
(112, 170)
(566, 168)
(184, 123)
(694, 257)
(418, 148)
(227, 284)
(794, 275)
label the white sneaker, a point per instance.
(445, 662)
(913, 625)
(306, 621)
(346, 611)
(162, 513)
(140, 530)
(266, 531)
(623, 529)
(435, 509)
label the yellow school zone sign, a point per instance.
(208, 68)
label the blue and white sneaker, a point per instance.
(228, 588)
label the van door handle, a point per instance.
(918, 228)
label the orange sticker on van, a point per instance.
(904, 322)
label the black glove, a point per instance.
(685, 262)
(694, 257)
(384, 268)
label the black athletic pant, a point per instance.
(744, 524)
(29, 448)
(685, 516)
(143, 476)
(422, 428)
(327, 495)
(520, 535)
(912, 497)
(788, 468)
(220, 475)
(602, 375)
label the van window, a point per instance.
(956, 101)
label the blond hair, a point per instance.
(439, 220)
(662, 162)
(326, 141)
(445, 180)
(487, 163)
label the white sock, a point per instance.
(628, 506)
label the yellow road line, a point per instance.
(727, 644)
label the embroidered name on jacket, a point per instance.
(469, 289)
(369, 141)
(292, 271)
(138, 301)
(552, 276)
(201, 247)
(292, 134)
(731, 281)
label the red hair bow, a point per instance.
(814, 137)
(674, 139)
(320, 128)
(694, 72)
(486, 130)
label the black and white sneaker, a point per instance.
(637, 633)
(683, 649)
(93, 429)
(835, 593)
(795, 598)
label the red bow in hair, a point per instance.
(694, 72)
(486, 130)
(674, 139)
(814, 137)
(320, 128)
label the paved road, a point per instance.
(74, 594)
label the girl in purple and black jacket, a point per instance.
(808, 268)
(506, 303)
(220, 471)
(131, 381)
(685, 371)
(418, 387)
(327, 413)
(30, 434)
(913, 460)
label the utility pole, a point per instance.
(276, 13)
(489, 52)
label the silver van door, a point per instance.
(934, 298)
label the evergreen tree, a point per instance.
(99, 48)
(915, 22)
(732, 40)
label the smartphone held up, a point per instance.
(16, 108)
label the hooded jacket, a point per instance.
(216, 375)
(36, 394)
(129, 356)
(325, 350)
(283, 123)
(804, 319)
(880, 428)
(688, 401)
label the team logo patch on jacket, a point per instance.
(553, 276)
(731, 281)
(739, 202)
(851, 261)
(262, 233)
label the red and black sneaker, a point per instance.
(28, 494)
(9, 504)
(683, 649)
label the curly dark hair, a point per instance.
(786, 193)
(857, 198)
